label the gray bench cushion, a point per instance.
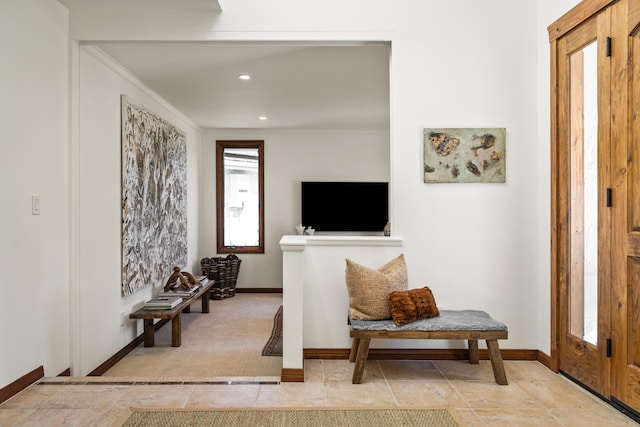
(449, 320)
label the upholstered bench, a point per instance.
(470, 325)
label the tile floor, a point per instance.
(535, 396)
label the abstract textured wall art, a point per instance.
(154, 197)
(464, 155)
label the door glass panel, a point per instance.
(583, 292)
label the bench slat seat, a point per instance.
(470, 325)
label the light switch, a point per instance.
(35, 205)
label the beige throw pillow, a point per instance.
(369, 289)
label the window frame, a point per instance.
(221, 145)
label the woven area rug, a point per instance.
(270, 417)
(274, 345)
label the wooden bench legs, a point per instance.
(176, 334)
(495, 357)
(360, 352)
(361, 347)
(149, 333)
(176, 328)
(354, 349)
(496, 362)
(474, 356)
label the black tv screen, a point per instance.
(345, 206)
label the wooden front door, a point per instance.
(625, 298)
(596, 199)
(584, 147)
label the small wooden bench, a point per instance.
(174, 313)
(470, 325)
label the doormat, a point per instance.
(274, 417)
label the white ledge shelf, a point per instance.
(295, 242)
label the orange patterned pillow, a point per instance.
(414, 304)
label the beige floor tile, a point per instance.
(11, 417)
(139, 364)
(342, 371)
(476, 403)
(535, 395)
(63, 417)
(341, 393)
(113, 418)
(90, 396)
(483, 395)
(516, 417)
(463, 370)
(313, 371)
(603, 416)
(467, 417)
(156, 396)
(58, 380)
(560, 393)
(410, 370)
(291, 394)
(429, 393)
(528, 370)
(216, 396)
(34, 396)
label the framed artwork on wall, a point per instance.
(154, 197)
(464, 155)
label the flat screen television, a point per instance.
(345, 206)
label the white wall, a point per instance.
(463, 63)
(475, 245)
(34, 320)
(99, 158)
(290, 157)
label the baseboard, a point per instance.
(325, 353)
(21, 383)
(545, 359)
(289, 375)
(65, 373)
(110, 363)
(258, 290)
(417, 354)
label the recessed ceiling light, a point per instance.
(262, 118)
(244, 77)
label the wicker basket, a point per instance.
(224, 273)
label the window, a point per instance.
(240, 196)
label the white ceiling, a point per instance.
(296, 85)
